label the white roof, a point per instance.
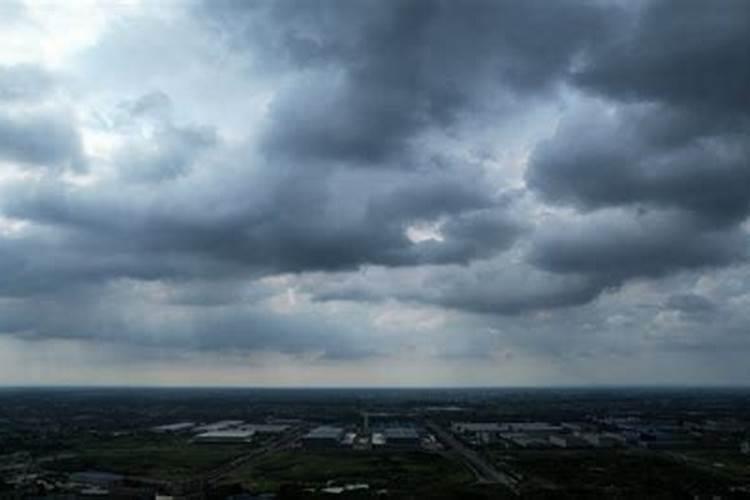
(174, 427)
(230, 434)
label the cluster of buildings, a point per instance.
(539, 434)
(223, 431)
(394, 434)
(604, 433)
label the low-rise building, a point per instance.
(474, 427)
(323, 437)
(224, 437)
(266, 428)
(568, 441)
(178, 427)
(219, 426)
(523, 440)
(401, 436)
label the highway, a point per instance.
(485, 472)
(284, 441)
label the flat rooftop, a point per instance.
(401, 433)
(228, 434)
(325, 432)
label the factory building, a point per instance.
(475, 427)
(178, 427)
(219, 426)
(527, 440)
(568, 441)
(225, 437)
(266, 428)
(323, 437)
(604, 439)
(401, 436)
(478, 433)
(531, 427)
(528, 427)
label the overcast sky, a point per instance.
(374, 192)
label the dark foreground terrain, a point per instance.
(374, 443)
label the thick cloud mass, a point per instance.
(40, 140)
(375, 74)
(518, 189)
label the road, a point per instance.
(284, 441)
(484, 471)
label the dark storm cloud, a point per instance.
(691, 303)
(647, 155)
(487, 287)
(169, 151)
(257, 225)
(670, 144)
(655, 173)
(683, 53)
(377, 73)
(295, 240)
(178, 148)
(616, 246)
(511, 293)
(46, 140)
(681, 137)
(87, 315)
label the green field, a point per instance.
(162, 457)
(408, 473)
(628, 473)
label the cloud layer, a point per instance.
(541, 187)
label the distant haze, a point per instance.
(374, 192)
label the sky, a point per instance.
(374, 192)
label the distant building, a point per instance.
(266, 428)
(526, 440)
(349, 438)
(473, 427)
(531, 427)
(219, 426)
(378, 439)
(604, 439)
(568, 441)
(178, 427)
(401, 436)
(224, 437)
(323, 437)
(478, 432)
(104, 479)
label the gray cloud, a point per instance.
(47, 140)
(86, 314)
(291, 176)
(616, 246)
(11, 11)
(691, 303)
(376, 73)
(169, 151)
(684, 53)
(645, 156)
(24, 82)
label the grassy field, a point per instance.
(728, 463)
(411, 473)
(633, 473)
(162, 457)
